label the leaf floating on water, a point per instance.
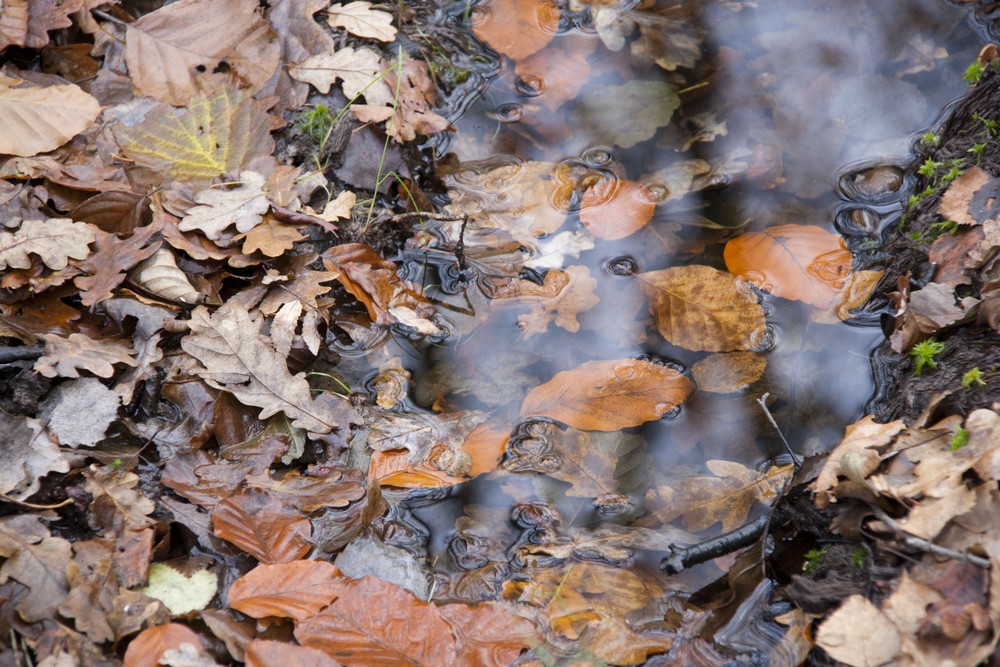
(701, 308)
(798, 262)
(609, 395)
(614, 209)
(516, 28)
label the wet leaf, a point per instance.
(573, 294)
(488, 634)
(586, 461)
(626, 114)
(150, 644)
(609, 395)
(214, 135)
(858, 634)
(55, 241)
(298, 589)
(189, 47)
(861, 442)
(614, 209)
(727, 373)
(798, 262)
(264, 526)
(726, 498)
(38, 120)
(66, 357)
(516, 29)
(180, 592)
(358, 18)
(665, 41)
(408, 112)
(557, 74)
(358, 68)
(701, 308)
(927, 311)
(266, 653)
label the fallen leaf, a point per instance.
(159, 276)
(614, 209)
(92, 589)
(79, 412)
(39, 120)
(28, 456)
(297, 589)
(950, 251)
(609, 395)
(264, 526)
(407, 113)
(625, 115)
(149, 645)
(701, 308)
(665, 41)
(107, 267)
(555, 76)
(66, 356)
(360, 70)
(968, 201)
(242, 205)
(488, 634)
(858, 634)
(37, 560)
(189, 48)
(926, 312)
(358, 18)
(861, 443)
(798, 262)
(516, 29)
(574, 296)
(728, 373)
(267, 653)
(271, 238)
(117, 505)
(55, 241)
(180, 592)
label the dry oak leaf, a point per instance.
(194, 47)
(264, 525)
(614, 209)
(37, 560)
(271, 238)
(967, 202)
(297, 590)
(701, 308)
(797, 262)
(214, 135)
(727, 373)
(407, 114)
(268, 653)
(55, 241)
(65, 357)
(218, 207)
(859, 449)
(149, 645)
(575, 295)
(927, 311)
(108, 266)
(858, 634)
(516, 29)
(116, 504)
(358, 18)
(609, 395)
(358, 68)
(726, 498)
(38, 120)
(237, 358)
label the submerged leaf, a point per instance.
(514, 28)
(626, 114)
(612, 210)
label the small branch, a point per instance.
(927, 546)
(796, 459)
(681, 558)
(13, 501)
(428, 215)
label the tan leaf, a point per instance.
(213, 136)
(609, 395)
(798, 262)
(727, 373)
(298, 590)
(235, 357)
(28, 456)
(55, 241)
(14, 23)
(38, 120)
(116, 504)
(358, 68)
(574, 296)
(957, 201)
(92, 592)
(516, 29)
(267, 653)
(728, 497)
(861, 441)
(260, 523)
(358, 18)
(65, 357)
(701, 308)
(271, 238)
(150, 644)
(858, 634)
(614, 209)
(339, 208)
(159, 276)
(193, 47)
(38, 561)
(243, 206)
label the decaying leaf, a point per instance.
(29, 455)
(149, 645)
(625, 114)
(116, 504)
(665, 41)
(968, 201)
(297, 589)
(79, 412)
(516, 29)
(107, 267)
(573, 294)
(39, 561)
(267, 652)
(55, 241)
(160, 276)
(858, 634)
(358, 18)
(242, 206)
(701, 308)
(798, 262)
(408, 112)
(927, 311)
(181, 592)
(37, 120)
(66, 356)
(859, 447)
(609, 395)
(358, 68)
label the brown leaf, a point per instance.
(360, 70)
(298, 590)
(860, 446)
(614, 209)
(160, 277)
(28, 455)
(858, 634)
(132, 556)
(556, 74)
(609, 395)
(241, 204)
(516, 29)
(487, 634)
(701, 308)
(92, 589)
(798, 262)
(727, 373)
(409, 114)
(957, 201)
(377, 623)
(268, 653)
(116, 504)
(358, 18)
(190, 47)
(337, 488)
(574, 294)
(55, 241)
(927, 311)
(150, 644)
(950, 251)
(65, 357)
(271, 238)
(728, 497)
(38, 120)
(264, 525)
(38, 561)
(107, 267)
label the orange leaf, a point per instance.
(516, 28)
(267, 653)
(150, 644)
(557, 75)
(298, 589)
(615, 209)
(262, 525)
(798, 262)
(609, 395)
(726, 373)
(488, 634)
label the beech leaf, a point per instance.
(614, 209)
(625, 114)
(259, 523)
(297, 589)
(609, 395)
(55, 241)
(516, 29)
(859, 635)
(38, 120)
(181, 593)
(267, 653)
(150, 644)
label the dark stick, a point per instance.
(681, 558)
(9, 354)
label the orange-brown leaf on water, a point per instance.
(701, 308)
(555, 74)
(562, 296)
(516, 28)
(149, 645)
(797, 262)
(728, 497)
(588, 603)
(857, 289)
(614, 209)
(268, 653)
(609, 395)
(488, 634)
(264, 524)
(297, 590)
(726, 373)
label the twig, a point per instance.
(796, 459)
(681, 558)
(927, 546)
(427, 215)
(8, 499)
